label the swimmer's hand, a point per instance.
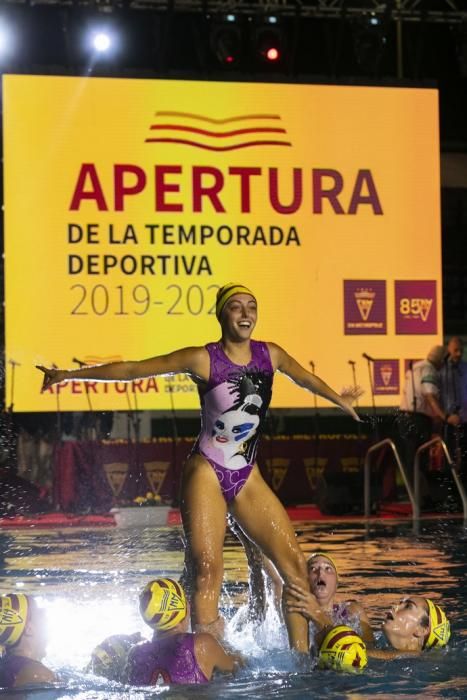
(51, 376)
(239, 661)
(349, 394)
(299, 600)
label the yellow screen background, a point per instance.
(52, 125)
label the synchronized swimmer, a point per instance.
(234, 377)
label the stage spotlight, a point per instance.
(226, 43)
(101, 42)
(6, 39)
(269, 44)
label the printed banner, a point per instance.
(386, 377)
(128, 203)
(416, 307)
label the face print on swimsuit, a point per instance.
(228, 433)
(231, 431)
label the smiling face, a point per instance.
(406, 625)
(322, 577)
(238, 317)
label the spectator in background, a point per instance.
(454, 397)
(422, 412)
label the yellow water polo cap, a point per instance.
(110, 656)
(440, 629)
(163, 604)
(343, 650)
(227, 291)
(14, 609)
(325, 555)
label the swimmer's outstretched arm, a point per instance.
(389, 654)
(291, 368)
(193, 361)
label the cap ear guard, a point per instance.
(440, 628)
(14, 608)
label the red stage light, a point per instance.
(272, 54)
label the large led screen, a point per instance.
(129, 202)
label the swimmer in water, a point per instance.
(174, 655)
(234, 377)
(109, 658)
(23, 638)
(412, 626)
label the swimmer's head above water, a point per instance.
(226, 292)
(415, 624)
(322, 576)
(163, 605)
(14, 611)
(22, 625)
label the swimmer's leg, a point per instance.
(204, 513)
(263, 518)
(256, 579)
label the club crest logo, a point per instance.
(155, 474)
(365, 307)
(314, 468)
(116, 473)
(386, 377)
(386, 374)
(278, 467)
(364, 298)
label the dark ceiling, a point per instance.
(404, 42)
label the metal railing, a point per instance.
(367, 474)
(454, 474)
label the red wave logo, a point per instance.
(187, 134)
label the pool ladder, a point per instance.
(414, 494)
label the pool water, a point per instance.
(88, 581)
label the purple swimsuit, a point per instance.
(10, 667)
(233, 408)
(166, 660)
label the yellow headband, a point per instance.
(326, 556)
(227, 291)
(440, 629)
(14, 608)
